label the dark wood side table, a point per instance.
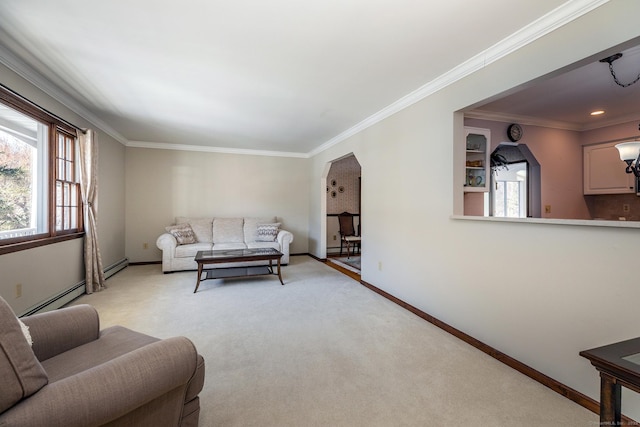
(619, 365)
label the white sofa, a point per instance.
(219, 234)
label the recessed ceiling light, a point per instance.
(597, 112)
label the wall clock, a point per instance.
(514, 132)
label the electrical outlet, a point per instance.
(334, 237)
(145, 246)
(547, 208)
(626, 208)
(18, 290)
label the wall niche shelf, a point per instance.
(477, 150)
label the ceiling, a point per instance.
(282, 76)
(567, 99)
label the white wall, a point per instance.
(164, 184)
(49, 270)
(562, 289)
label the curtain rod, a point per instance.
(44, 110)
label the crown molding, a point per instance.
(523, 120)
(554, 124)
(23, 70)
(553, 20)
(558, 17)
(207, 149)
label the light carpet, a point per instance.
(324, 350)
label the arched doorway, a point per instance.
(515, 182)
(342, 194)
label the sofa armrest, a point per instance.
(167, 244)
(166, 241)
(57, 331)
(284, 236)
(109, 391)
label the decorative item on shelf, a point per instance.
(341, 189)
(333, 194)
(474, 163)
(473, 146)
(610, 60)
(474, 181)
(333, 182)
(630, 154)
(514, 132)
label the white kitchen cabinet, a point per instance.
(477, 167)
(604, 172)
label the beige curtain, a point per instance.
(94, 274)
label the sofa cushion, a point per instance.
(228, 246)
(189, 251)
(228, 230)
(183, 233)
(251, 227)
(201, 227)
(267, 232)
(21, 374)
(258, 245)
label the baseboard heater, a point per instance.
(68, 295)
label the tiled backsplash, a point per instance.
(611, 206)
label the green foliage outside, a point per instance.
(15, 183)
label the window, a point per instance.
(67, 186)
(509, 191)
(39, 189)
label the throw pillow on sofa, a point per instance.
(267, 232)
(183, 233)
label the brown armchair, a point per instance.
(76, 375)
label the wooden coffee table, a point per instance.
(205, 258)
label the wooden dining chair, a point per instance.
(348, 235)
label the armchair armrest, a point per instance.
(57, 331)
(108, 391)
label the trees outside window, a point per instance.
(40, 199)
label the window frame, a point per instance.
(57, 127)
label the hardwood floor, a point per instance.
(353, 275)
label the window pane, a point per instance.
(74, 217)
(22, 174)
(74, 196)
(59, 196)
(58, 218)
(69, 171)
(67, 191)
(60, 169)
(66, 218)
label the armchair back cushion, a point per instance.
(21, 374)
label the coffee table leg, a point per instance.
(199, 275)
(279, 273)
